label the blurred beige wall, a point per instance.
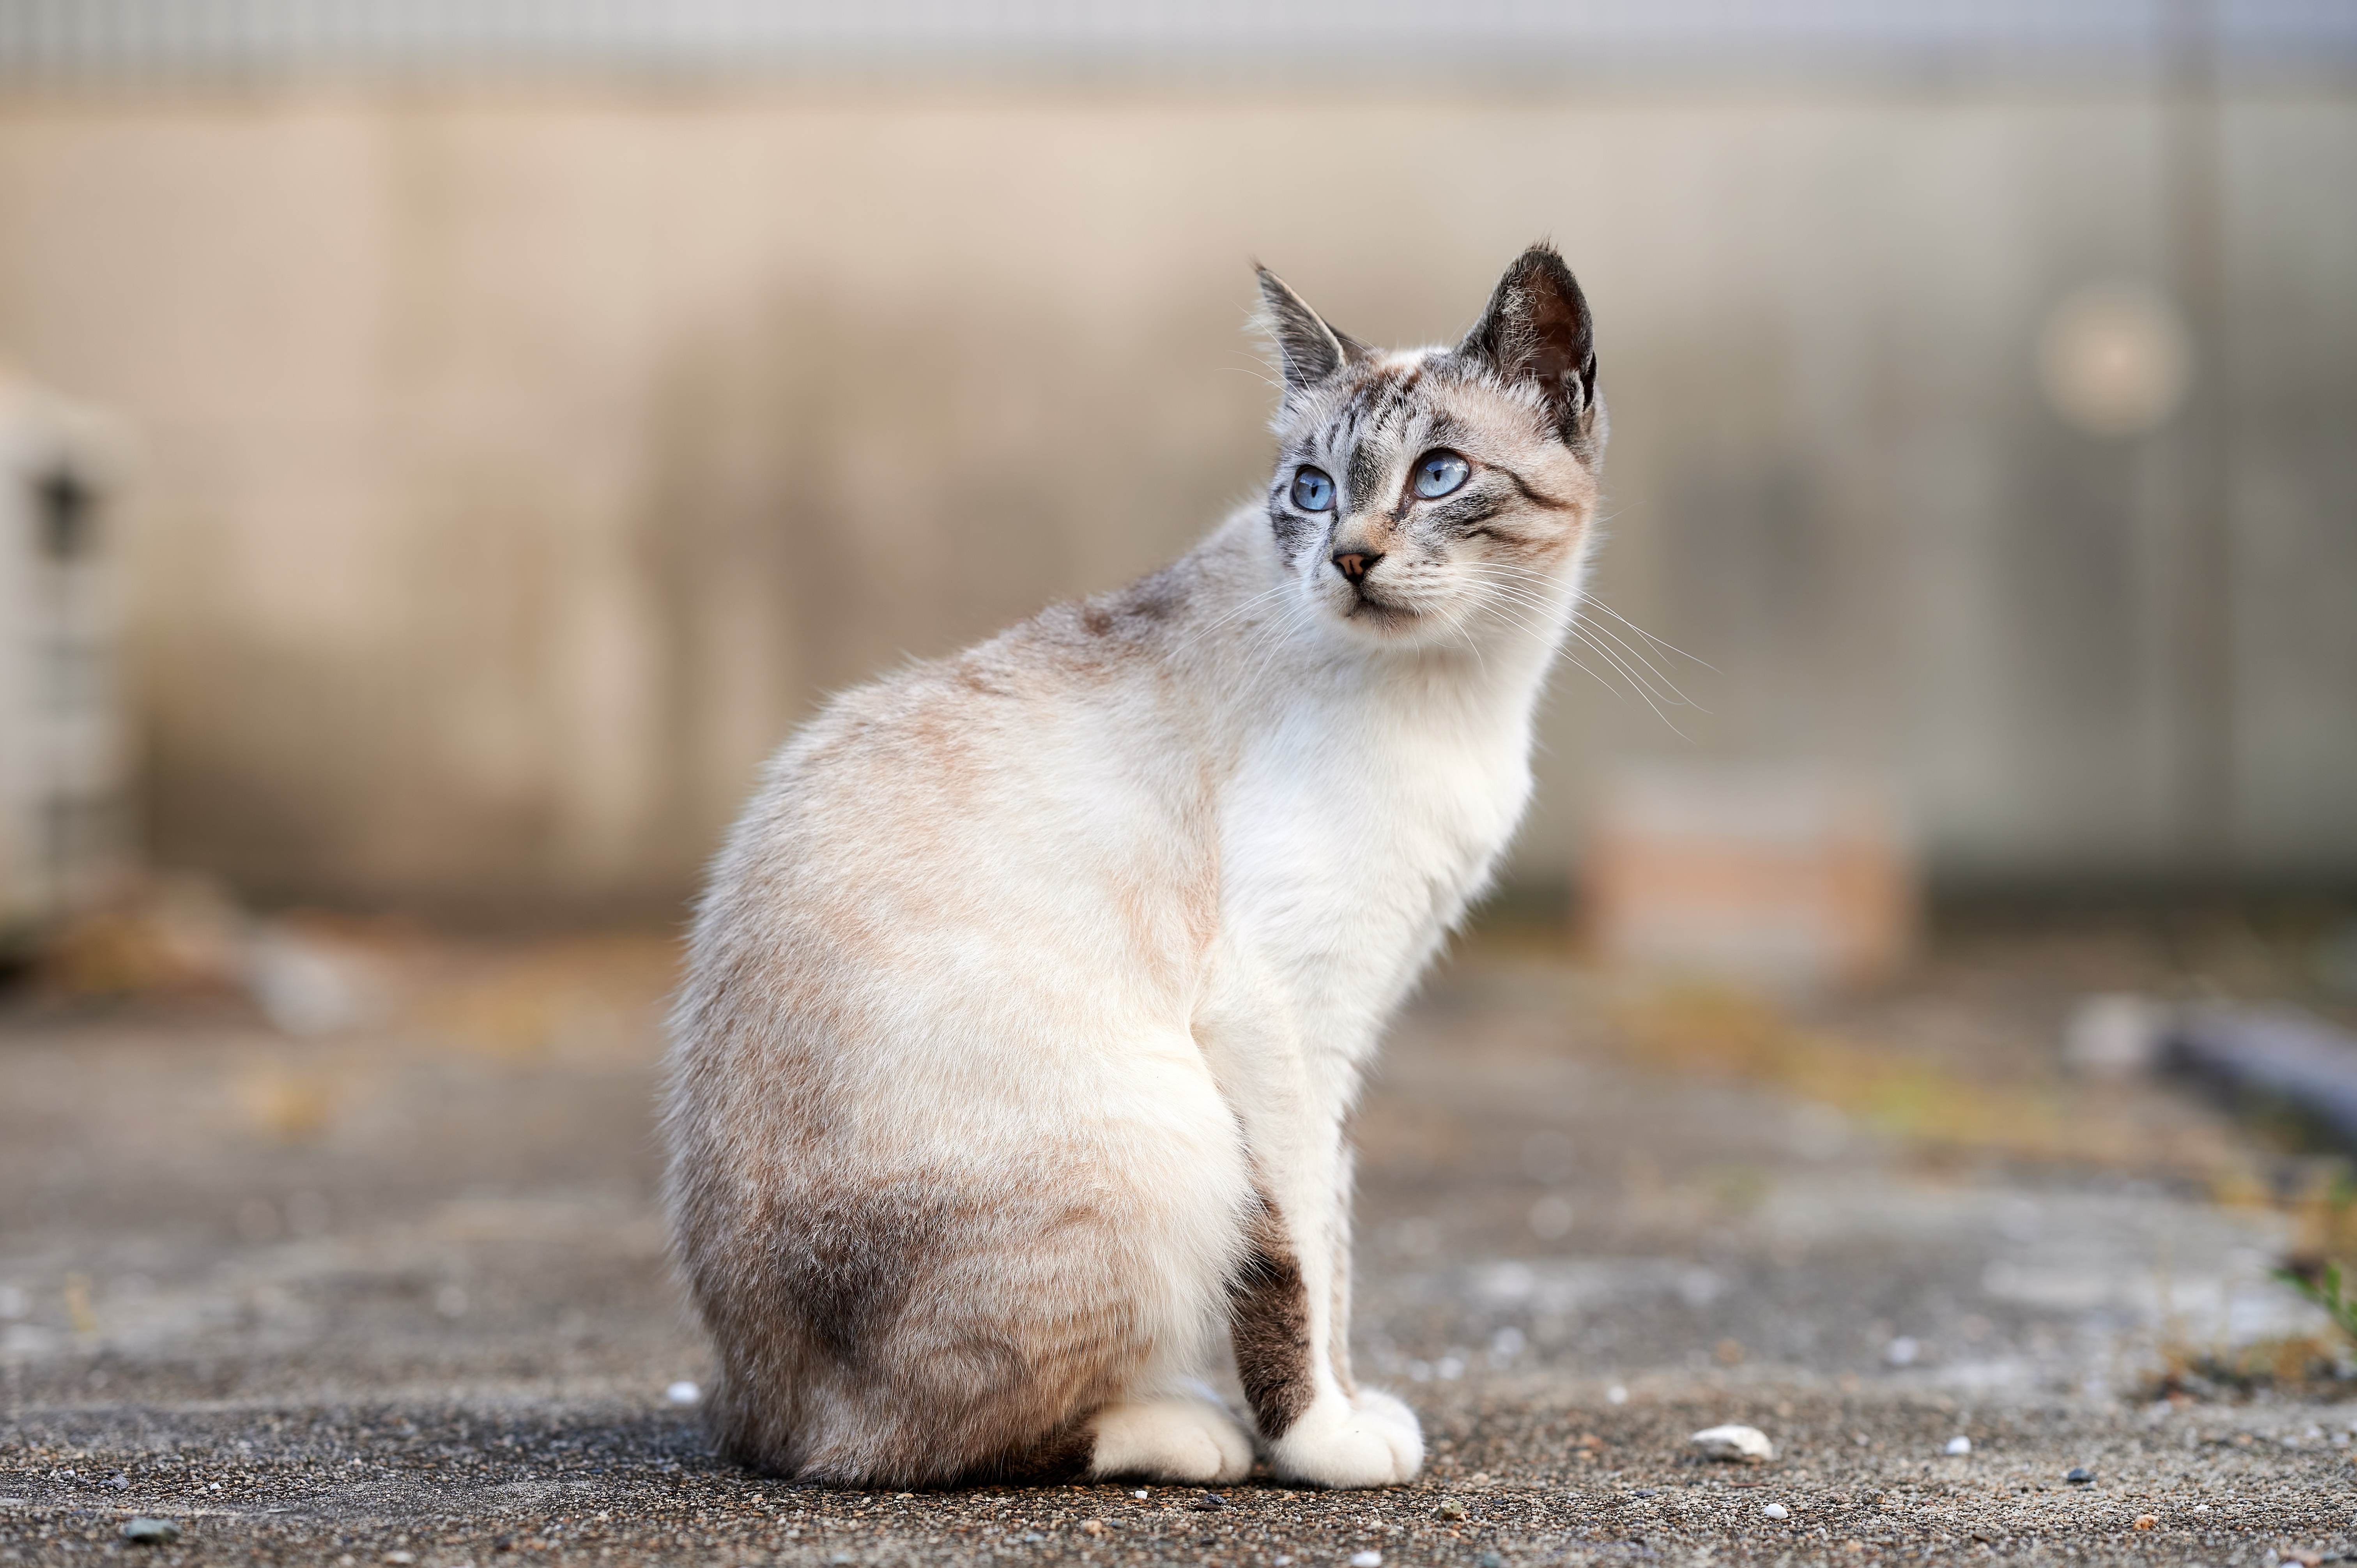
(517, 467)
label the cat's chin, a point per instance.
(1385, 624)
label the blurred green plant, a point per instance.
(2324, 1284)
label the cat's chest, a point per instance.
(1351, 838)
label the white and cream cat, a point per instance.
(1029, 998)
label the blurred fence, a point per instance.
(540, 406)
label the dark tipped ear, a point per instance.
(1537, 328)
(1309, 350)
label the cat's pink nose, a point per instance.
(1356, 563)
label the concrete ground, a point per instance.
(392, 1292)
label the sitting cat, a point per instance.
(1029, 998)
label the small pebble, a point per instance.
(1902, 1351)
(1210, 1502)
(1489, 1559)
(1091, 1527)
(145, 1531)
(2146, 1521)
(684, 1392)
(1366, 1560)
(1139, 1494)
(1736, 1444)
(1960, 1444)
(1449, 1509)
(2078, 1475)
(1775, 1510)
(1617, 1393)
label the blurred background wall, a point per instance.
(537, 409)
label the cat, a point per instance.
(1027, 1003)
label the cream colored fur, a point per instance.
(1032, 976)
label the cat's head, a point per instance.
(1423, 494)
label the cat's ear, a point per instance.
(1307, 348)
(1537, 329)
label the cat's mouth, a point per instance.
(1370, 608)
(1373, 609)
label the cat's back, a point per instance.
(1020, 742)
(1047, 793)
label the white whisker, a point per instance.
(1516, 592)
(1259, 598)
(1641, 632)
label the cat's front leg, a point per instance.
(1289, 1321)
(1291, 1310)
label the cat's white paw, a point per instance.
(1370, 1440)
(1170, 1440)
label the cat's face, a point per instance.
(1430, 495)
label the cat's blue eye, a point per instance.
(1438, 473)
(1313, 489)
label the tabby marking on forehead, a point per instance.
(1364, 483)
